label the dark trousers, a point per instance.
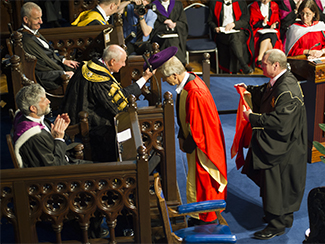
(279, 222)
(235, 43)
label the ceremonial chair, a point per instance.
(211, 233)
(199, 37)
(80, 150)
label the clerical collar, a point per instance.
(274, 79)
(103, 13)
(33, 31)
(165, 4)
(180, 87)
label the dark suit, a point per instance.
(49, 66)
(236, 47)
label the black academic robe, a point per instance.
(227, 58)
(49, 66)
(177, 15)
(279, 144)
(42, 149)
(94, 90)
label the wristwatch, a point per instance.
(141, 18)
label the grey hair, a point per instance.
(112, 52)
(27, 8)
(172, 66)
(106, 2)
(29, 96)
(276, 55)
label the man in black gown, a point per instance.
(49, 67)
(277, 159)
(94, 89)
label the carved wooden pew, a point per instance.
(57, 193)
(158, 136)
(85, 42)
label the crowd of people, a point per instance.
(261, 34)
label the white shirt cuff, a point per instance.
(141, 82)
(59, 139)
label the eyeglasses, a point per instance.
(305, 13)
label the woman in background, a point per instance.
(306, 36)
(264, 15)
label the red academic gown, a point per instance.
(202, 121)
(256, 17)
(243, 134)
(307, 41)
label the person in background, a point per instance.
(306, 36)
(277, 157)
(101, 15)
(49, 66)
(94, 89)
(139, 21)
(264, 15)
(288, 10)
(229, 21)
(200, 135)
(172, 20)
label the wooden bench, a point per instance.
(58, 193)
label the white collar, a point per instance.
(103, 13)
(180, 87)
(274, 79)
(27, 28)
(37, 120)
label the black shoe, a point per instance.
(259, 64)
(267, 234)
(247, 70)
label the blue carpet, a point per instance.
(244, 206)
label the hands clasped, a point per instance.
(61, 123)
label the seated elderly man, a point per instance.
(49, 66)
(99, 15)
(94, 89)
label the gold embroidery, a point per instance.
(273, 102)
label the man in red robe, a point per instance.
(200, 134)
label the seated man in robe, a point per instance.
(171, 20)
(99, 15)
(49, 66)
(229, 21)
(94, 89)
(39, 143)
(139, 21)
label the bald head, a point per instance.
(114, 57)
